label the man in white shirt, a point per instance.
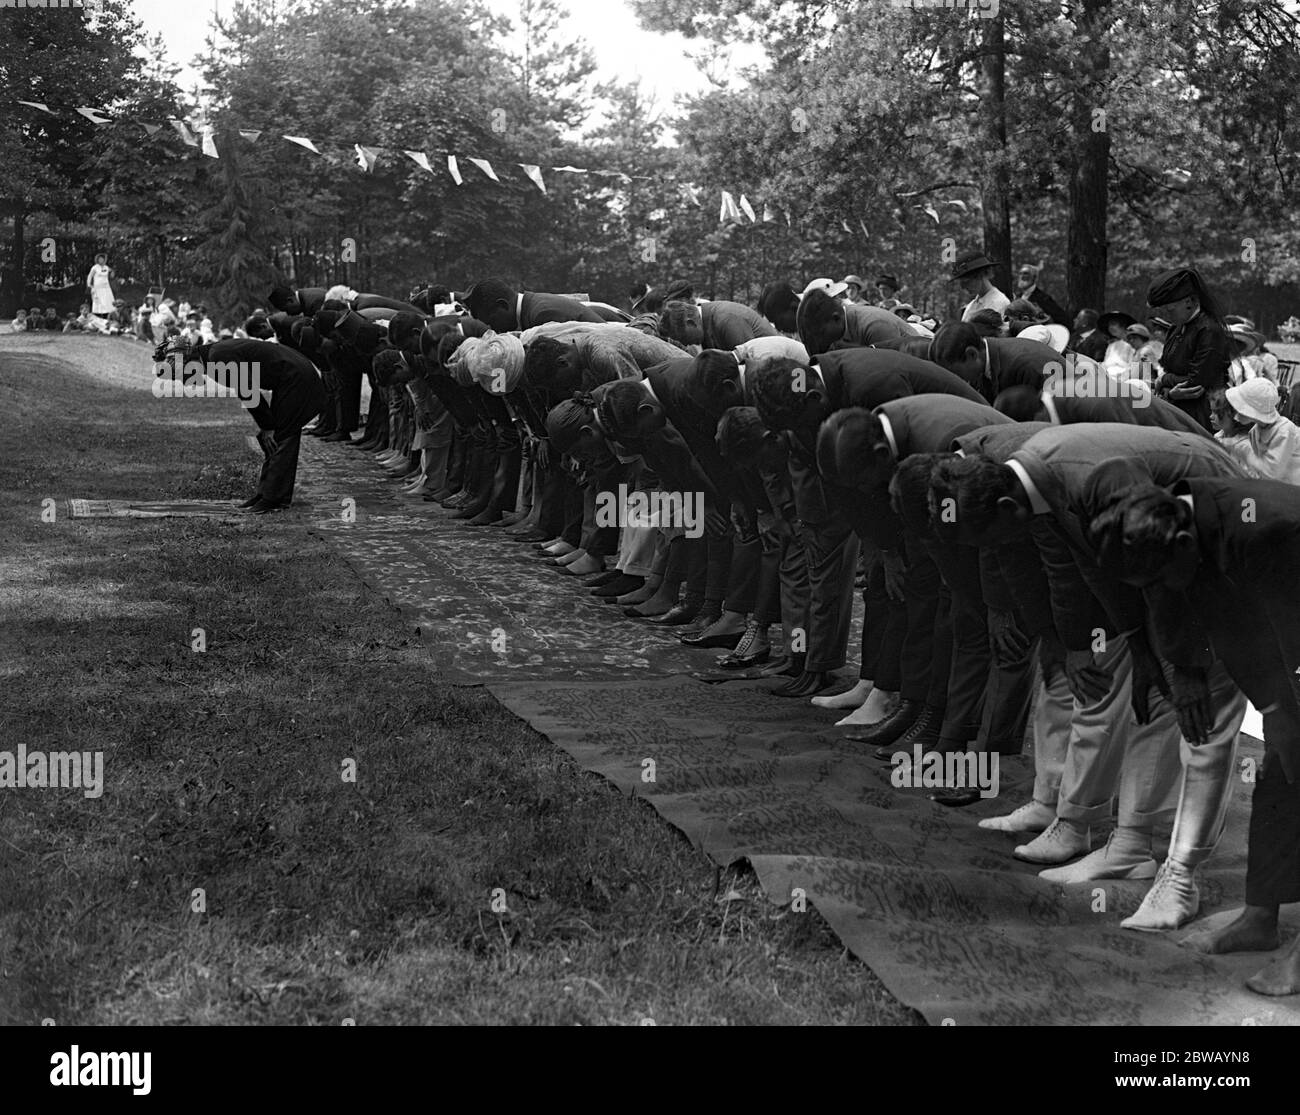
(974, 271)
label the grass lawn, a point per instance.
(324, 899)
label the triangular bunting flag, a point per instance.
(367, 157)
(152, 129)
(788, 223)
(250, 136)
(486, 168)
(845, 226)
(570, 169)
(209, 144)
(768, 214)
(746, 208)
(729, 209)
(454, 170)
(420, 159)
(303, 141)
(690, 193)
(863, 225)
(38, 104)
(94, 116)
(183, 130)
(534, 172)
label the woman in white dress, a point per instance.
(101, 291)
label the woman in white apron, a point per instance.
(101, 292)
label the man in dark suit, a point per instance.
(503, 309)
(297, 396)
(722, 325)
(792, 397)
(1087, 340)
(1088, 394)
(993, 364)
(1027, 288)
(1044, 485)
(1229, 549)
(825, 323)
(307, 301)
(865, 450)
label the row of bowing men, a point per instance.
(1044, 552)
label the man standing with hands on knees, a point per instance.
(297, 397)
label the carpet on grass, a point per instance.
(488, 607)
(936, 907)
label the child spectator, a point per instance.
(19, 323)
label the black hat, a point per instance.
(887, 280)
(679, 290)
(971, 261)
(1104, 322)
(1172, 286)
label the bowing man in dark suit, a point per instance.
(503, 309)
(1198, 351)
(993, 364)
(1044, 489)
(1230, 548)
(826, 323)
(297, 396)
(724, 325)
(307, 301)
(1088, 394)
(948, 664)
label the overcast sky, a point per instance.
(622, 49)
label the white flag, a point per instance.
(845, 226)
(152, 129)
(534, 172)
(768, 214)
(94, 116)
(303, 141)
(250, 136)
(454, 170)
(788, 222)
(209, 144)
(690, 193)
(420, 159)
(746, 208)
(366, 157)
(570, 169)
(38, 104)
(729, 209)
(183, 130)
(486, 168)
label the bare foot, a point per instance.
(1282, 976)
(1253, 930)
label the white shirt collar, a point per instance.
(519, 310)
(649, 390)
(1037, 503)
(889, 432)
(1049, 401)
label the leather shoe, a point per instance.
(955, 799)
(250, 502)
(891, 728)
(261, 508)
(677, 615)
(805, 685)
(337, 435)
(713, 642)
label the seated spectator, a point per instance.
(73, 324)
(1232, 434)
(35, 319)
(52, 322)
(988, 323)
(1026, 320)
(1274, 441)
(19, 323)
(1119, 353)
(1253, 360)
(1147, 351)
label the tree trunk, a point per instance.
(1089, 184)
(995, 187)
(13, 284)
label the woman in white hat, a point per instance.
(1274, 451)
(1253, 360)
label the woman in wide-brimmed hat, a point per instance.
(1253, 360)
(1119, 353)
(974, 271)
(1274, 452)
